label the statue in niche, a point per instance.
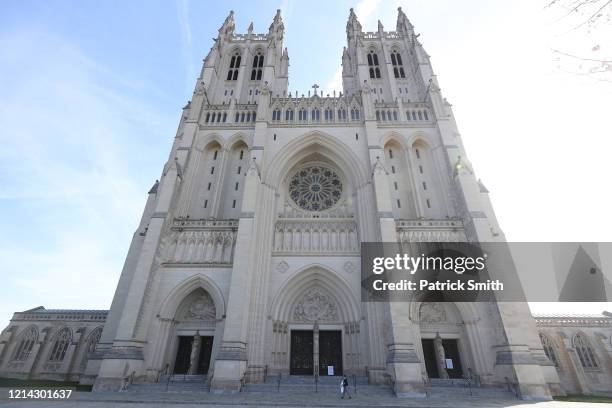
(432, 312)
(202, 308)
(315, 306)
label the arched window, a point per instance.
(329, 115)
(257, 70)
(355, 114)
(549, 349)
(302, 115)
(315, 115)
(373, 64)
(232, 73)
(26, 343)
(408, 115)
(378, 115)
(90, 344)
(289, 115)
(341, 114)
(276, 114)
(60, 346)
(585, 351)
(398, 67)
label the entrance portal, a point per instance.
(301, 352)
(330, 351)
(451, 352)
(183, 355)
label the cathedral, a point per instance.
(246, 261)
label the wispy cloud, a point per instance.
(76, 160)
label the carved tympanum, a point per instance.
(315, 306)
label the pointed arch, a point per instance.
(174, 299)
(325, 144)
(61, 341)
(237, 137)
(27, 339)
(202, 141)
(320, 277)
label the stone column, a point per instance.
(440, 357)
(315, 349)
(196, 346)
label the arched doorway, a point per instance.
(445, 345)
(316, 328)
(195, 332)
(191, 327)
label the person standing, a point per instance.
(344, 388)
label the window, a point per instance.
(399, 204)
(341, 114)
(209, 186)
(207, 117)
(302, 115)
(329, 115)
(424, 186)
(395, 184)
(418, 154)
(239, 169)
(585, 352)
(420, 169)
(275, 136)
(232, 73)
(394, 115)
(425, 114)
(377, 115)
(257, 70)
(205, 203)
(428, 203)
(234, 204)
(215, 155)
(315, 115)
(62, 341)
(276, 114)
(398, 67)
(549, 349)
(28, 339)
(212, 170)
(390, 153)
(356, 136)
(373, 65)
(241, 154)
(289, 114)
(236, 187)
(393, 169)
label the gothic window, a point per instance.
(289, 115)
(207, 117)
(414, 115)
(232, 73)
(257, 70)
(93, 339)
(585, 351)
(549, 349)
(28, 339)
(356, 115)
(315, 115)
(302, 115)
(377, 115)
(237, 117)
(420, 115)
(408, 115)
(241, 154)
(60, 346)
(276, 114)
(215, 154)
(398, 67)
(394, 115)
(329, 115)
(315, 188)
(428, 203)
(253, 116)
(341, 114)
(373, 65)
(425, 114)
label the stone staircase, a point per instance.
(461, 387)
(297, 384)
(173, 383)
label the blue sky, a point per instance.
(91, 93)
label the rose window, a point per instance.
(315, 188)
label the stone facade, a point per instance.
(50, 344)
(246, 260)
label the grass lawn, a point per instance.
(14, 383)
(583, 398)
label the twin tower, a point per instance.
(246, 262)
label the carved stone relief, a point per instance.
(202, 308)
(315, 306)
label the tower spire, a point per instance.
(353, 26)
(277, 28)
(404, 25)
